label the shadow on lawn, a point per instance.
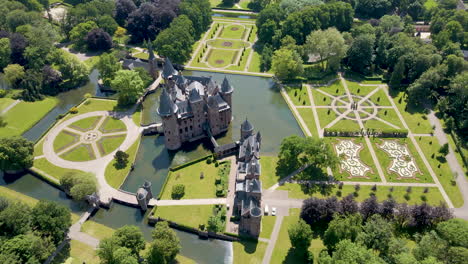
(250, 247)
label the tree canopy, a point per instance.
(129, 86)
(16, 154)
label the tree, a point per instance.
(129, 86)
(79, 32)
(286, 64)
(300, 236)
(348, 205)
(349, 252)
(215, 224)
(398, 73)
(369, 207)
(108, 24)
(199, 12)
(389, 23)
(121, 159)
(72, 69)
(5, 52)
(15, 219)
(122, 9)
(372, 8)
(51, 80)
(360, 53)
(107, 66)
(377, 234)
(454, 231)
(98, 39)
(329, 45)
(13, 74)
(18, 44)
(176, 41)
(16, 154)
(51, 219)
(291, 6)
(388, 208)
(444, 149)
(106, 249)
(178, 191)
(265, 58)
(29, 248)
(32, 86)
(340, 228)
(431, 245)
(165, 245)
(319, 212)
(130, 237)
(78, 185)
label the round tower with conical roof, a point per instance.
(168, 112)
(246, 129)
(226, 91)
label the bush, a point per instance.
(78, 185)
(444, 149)
(2, 93)
(121, 159)
(98, 39)
(73, 110)
(209, 160)
(178, 191)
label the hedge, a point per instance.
(384, 133)
(189, 163)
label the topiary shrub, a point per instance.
(209, 160)
(121, 159)
(73, 110)
(178, 191)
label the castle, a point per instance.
(248, 198)
(192, 107)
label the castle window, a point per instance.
(191, 127)
(186, 129)
(180, 130)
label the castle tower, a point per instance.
(168, 112)
(197, 104)
(153, 72)
(213, 115)
(246, 129)
(226, 91)
(142, 200)
(147, 187)
(168, 72)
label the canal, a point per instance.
(254, 98)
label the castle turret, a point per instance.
(213, 115)
(168, 112)
(168, 72)
(226, 91)
(246, 129)
(147, 187)
(142, 199)
(152, 61)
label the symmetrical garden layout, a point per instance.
(344, 105)
(227, 46)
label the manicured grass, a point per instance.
(86, 124)
(234, 44)
(38, 148)
(82, 253)
(95, 105)
(326, 116)
(376, 124)
(347, 124)
(242, 62)
(380, 98)
(335, 88)
(16, 196)
(112, 125)
(80, 153)
(299, 95)
(224, 57)
(57, 172)
(386, 162)
(364, 155)
(25, 115)
(230, 32)
(115, 177)
(391, 116)
(430, 146)
(356, 89)
(249, 252)
(64, 139)
(108, 144)
(5, 102)
(136, 117)
(308, 117)
(269, 176)
(255, 62)
(414, 117)
(188, 215)
(97, 230)
(194, 186)
(321, 99)
(268, 222)
(297, 191)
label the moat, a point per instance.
(255, 98)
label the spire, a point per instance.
(194, 96)
(246, 126)
(259, 137)
(166, 105)
(150, 50)
(225, 86)
(168, 70)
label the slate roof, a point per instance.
(166, 105)
(247, 126)
(226, 87)
(141, 193)
(168, 69)
(194, 96)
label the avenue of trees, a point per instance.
(375, 232)
(31, 234)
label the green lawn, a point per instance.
(376, 124)
(227, 44)
(16, 196)
(268, 223)
(242, 62)
(97, 230)
(83, 152)
(386, 161)
(195, 187)
(57, 172)
(112, 125)
(414, 117)
(136, 117)
(326, 116)
(95, 105)
(38, 148)
(347, 124)
(77, 253)
(221, 58)
(321, 99)
(297, 191)
(5, 102)
(188, 215)
(108, 144)
(249, 252)
(356, 89)
(115, 177)
(441, 169)
(64, 139)
(335, 88)
(391, 116)
(365, 157)
(380, 98)
(25, 115)
(86, 124)
(255, 62)
(308, 117)
(232, 32)
(299, 95)
(269, 176)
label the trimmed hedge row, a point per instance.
(383, 133)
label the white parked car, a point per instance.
(266, 209)
(273, 211)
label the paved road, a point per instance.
(76, 234)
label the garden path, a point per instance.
(10, 106)
(273, 238)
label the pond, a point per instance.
(234, 15)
